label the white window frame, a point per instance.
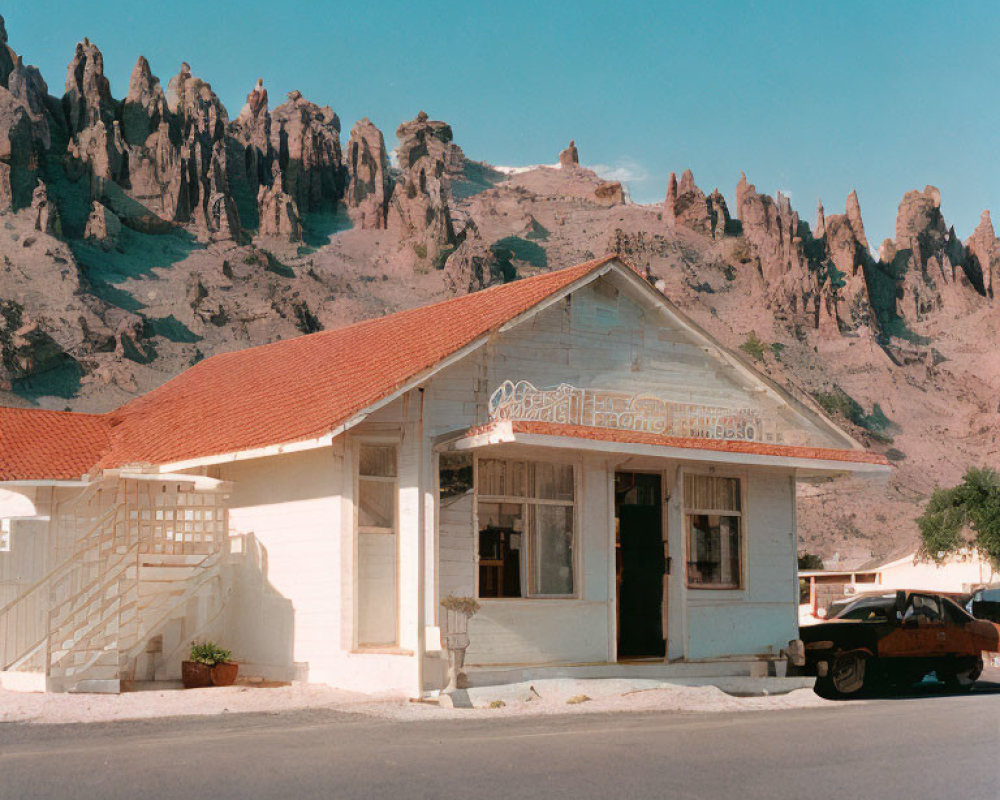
(524, 502)
(687, 513)
(371, 529)
(6, 528)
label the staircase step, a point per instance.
(166, 574)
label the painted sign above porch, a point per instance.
(606, 408)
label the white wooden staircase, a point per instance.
(141, 583)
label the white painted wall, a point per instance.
(536, 630)
(761, 617)
(758, 619)
(959, 573)
(293, 505)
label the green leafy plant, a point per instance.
(464, 605)
(209, 654)
(966, 515)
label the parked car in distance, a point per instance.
(985, 604)
(896, 639)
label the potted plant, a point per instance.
(209, 665)
(456, 635)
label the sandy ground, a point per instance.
(66, 708)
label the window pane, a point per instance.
(697, 491)
(376, 504)
(455, 474)
(554, 481)
(500, 532)
(376, 588)
(491, 477)
(517, 479)
(727, 494)
(377, 461)
(713, 550)
(552, 550)
(708, 493)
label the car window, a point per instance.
(876, 609)
(954, 613)
(923, 607)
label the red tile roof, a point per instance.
(49, 445)
(686, 442)
(279, 393)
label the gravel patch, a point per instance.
(544, 698)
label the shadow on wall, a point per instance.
(259, 623)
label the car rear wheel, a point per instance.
(847, 675)
(962, 676)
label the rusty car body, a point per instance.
(896, 639)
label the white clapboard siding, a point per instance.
(763, 615)
(602, 338)
(457, 547)
(291, 503)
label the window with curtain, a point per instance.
(376, 538)
(713, 515)
(526, 528)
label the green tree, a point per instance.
(967, 515)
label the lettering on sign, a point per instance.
(606, 408)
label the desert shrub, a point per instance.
(753, 347)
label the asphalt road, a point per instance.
(931, 745)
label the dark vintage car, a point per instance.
(895, 640)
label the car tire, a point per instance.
(847, 676)
(962, 677)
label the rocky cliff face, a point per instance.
(371, 185)
(687, 206)
(929, 260)
(983, 259)
(306, 139)
(419, 212)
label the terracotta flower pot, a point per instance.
(195, 675)
(224, 674)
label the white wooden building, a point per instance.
(615, 487)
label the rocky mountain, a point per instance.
(139, 235)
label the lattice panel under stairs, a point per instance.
(172, 520)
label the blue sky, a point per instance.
(811, 98)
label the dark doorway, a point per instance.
(640, 564)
